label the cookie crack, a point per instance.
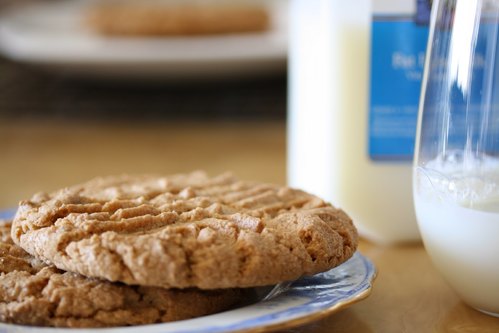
(63, 244)
(126, 272)
(307, 238)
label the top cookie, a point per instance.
(185, 231)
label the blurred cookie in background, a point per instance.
(177, 18)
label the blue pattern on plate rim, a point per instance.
(296, 300)
(7, 214)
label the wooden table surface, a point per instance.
(408, 295)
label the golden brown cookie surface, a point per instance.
(33, 293)
(185, 231)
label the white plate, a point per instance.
(52, 35)
(287, 305)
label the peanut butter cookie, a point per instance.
(185, 231)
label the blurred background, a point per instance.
(76, 103)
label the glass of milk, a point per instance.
(456, 169)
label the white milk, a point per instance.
(458, 216)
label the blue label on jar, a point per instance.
(423, 11)
(397, 60)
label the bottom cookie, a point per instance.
(33, 293)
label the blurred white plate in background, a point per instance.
(52, 35)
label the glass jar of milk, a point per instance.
(354, 87)
(456, 171)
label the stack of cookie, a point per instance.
(129, 250)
